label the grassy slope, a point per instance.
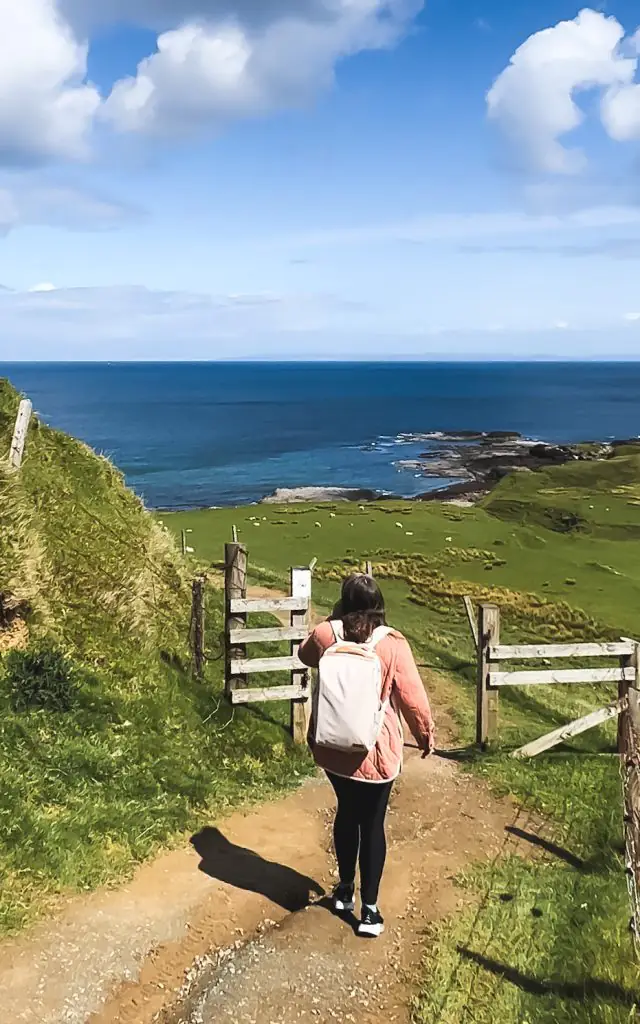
(548, 940)
(147, 752)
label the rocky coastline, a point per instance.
(474, 462)
(479, 464)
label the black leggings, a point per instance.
(359, 828)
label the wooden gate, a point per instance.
(492, 678)
(239, 634)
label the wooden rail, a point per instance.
(245, 667)
(242, 606)
(523, 652)
(566, 732)
(259, 695)
(564, 676)
(267, 634)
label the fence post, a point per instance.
(369, 568)
(20, 433)
(197, 590)
(300, 709)
(629, 719)
(629, 748)
(473, 624)
(487, 698)
(235, 586)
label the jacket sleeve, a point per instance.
(311, 650)
(411, 697)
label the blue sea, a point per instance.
(206, 434)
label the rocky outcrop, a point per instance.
(479, 466)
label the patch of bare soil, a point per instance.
(14, 637)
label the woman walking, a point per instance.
(367, 678)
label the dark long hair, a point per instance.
(361, 607)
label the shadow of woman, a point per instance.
(247, 870)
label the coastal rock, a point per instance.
(554, 453)
(479, 465)
(467, 492)
(462, 435)
(287, 495)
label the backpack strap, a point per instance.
(378, 634)
(338, 629)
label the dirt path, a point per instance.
(312, 967)
(214, 931)
(188, 905)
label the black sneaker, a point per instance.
(343, 899)
(371, 924)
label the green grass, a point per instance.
(543, 939)
(145, 752)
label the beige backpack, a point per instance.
(348, 706)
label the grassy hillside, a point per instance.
(108, 747)
(545, 940)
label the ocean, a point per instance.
(207, 434)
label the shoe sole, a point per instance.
(343, 908)
(370, 931)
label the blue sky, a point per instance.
(318, 179)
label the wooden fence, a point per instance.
(492, 656)
(492, 677)
(239, 634)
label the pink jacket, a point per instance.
(403, 685)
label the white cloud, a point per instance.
(470, 227)
(135, 323)
(206, 72)
(35, 199)
(621, 107)
(46, 286)
(533, 98)
(122, 321)
(216, 60)
(46, 109)
(632, 317)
